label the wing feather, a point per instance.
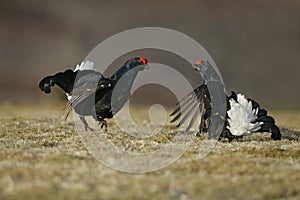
(193, 105)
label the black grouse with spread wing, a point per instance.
(90, 93)
(243, 117)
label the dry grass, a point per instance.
(42, 157)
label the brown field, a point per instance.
(42, 157)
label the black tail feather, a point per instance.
(272, 128)
(65, 80)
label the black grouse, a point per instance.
(244, 116)
(90, 93)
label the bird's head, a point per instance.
(198, 65)
(140, 62)
(207, 71)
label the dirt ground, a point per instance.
(42, 157)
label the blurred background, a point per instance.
(255, 44)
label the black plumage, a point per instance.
(260, 122)
(90, 93)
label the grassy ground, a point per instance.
(42, 157)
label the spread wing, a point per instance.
(89, 86)
(194, 105)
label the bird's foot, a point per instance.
(85, 124)
(87, 127)
(198, 134)
(103, 124)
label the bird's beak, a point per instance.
(196, 68)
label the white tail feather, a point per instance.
(241, 117)
(85, 65)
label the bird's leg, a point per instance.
(102, 122)
(86, 126)
(205, 124)
(202, 127)
(227, 134)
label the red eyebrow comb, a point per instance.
(143, 60)
(198, 62)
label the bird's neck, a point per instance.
(125, 75)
